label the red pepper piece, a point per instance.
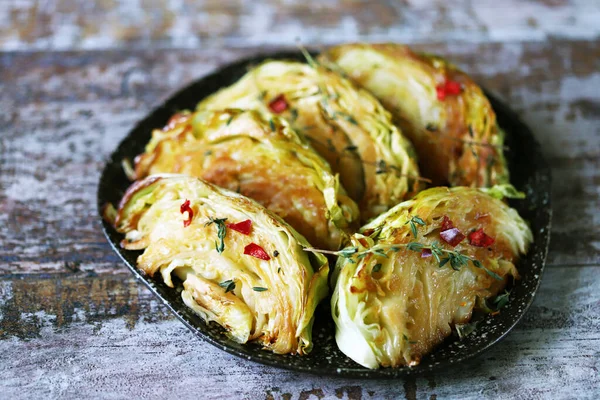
(446, 224)
(244, 227)
(448, 88)
(452, 236)
(449, 233)
(278, 104)
(186, 207)
(480, 239)
(255, 250)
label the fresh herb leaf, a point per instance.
(221, 232)
(493, 274)
(347, 252)
(228, 285)
(414, 246)
(465, 330)
(380, 253)
(418, 220)
(377, 267)
(413, 222)
(501, 300)
(259, 289)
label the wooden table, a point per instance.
(76, 75)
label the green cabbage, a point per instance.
(390, 305)
(270, 302)
(260, 158)
(346, 125)
(457, 138)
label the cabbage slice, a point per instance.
(457, 138)
(391, 306)
(259, 157)
(268, 299)
(345, 125)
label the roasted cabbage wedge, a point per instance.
(401, 286)
(257, 282)
(439, 108)
(346, 125)
(259, 158)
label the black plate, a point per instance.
(529, 172)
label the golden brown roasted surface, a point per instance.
(256, 281)
(409, 276)
(444, 113)
(346, 125)
(259, 158)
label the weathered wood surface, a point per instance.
(74, 323)
(86, 336)
(76, 24)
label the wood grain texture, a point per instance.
(107, 336)
(63, 113)
(81, 24)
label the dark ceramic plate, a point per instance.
(529, 171)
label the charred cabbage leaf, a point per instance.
(443, 112)
(418, 270)
(346, 125)
(257, 283)
(260, 158)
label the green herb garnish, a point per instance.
(414, 221)
(442, 256)
(221, 232)
(228, 285)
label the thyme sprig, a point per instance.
(228, 285)
(413, 222)
(221, 232)
(443, 256)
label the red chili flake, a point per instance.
(446, 224)
(449, 88)
(186, 207)
(480, 239)
(244, 227)
(452, 236)
(278, 104)
(255, 250)
(449, 233)
(425, 253)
